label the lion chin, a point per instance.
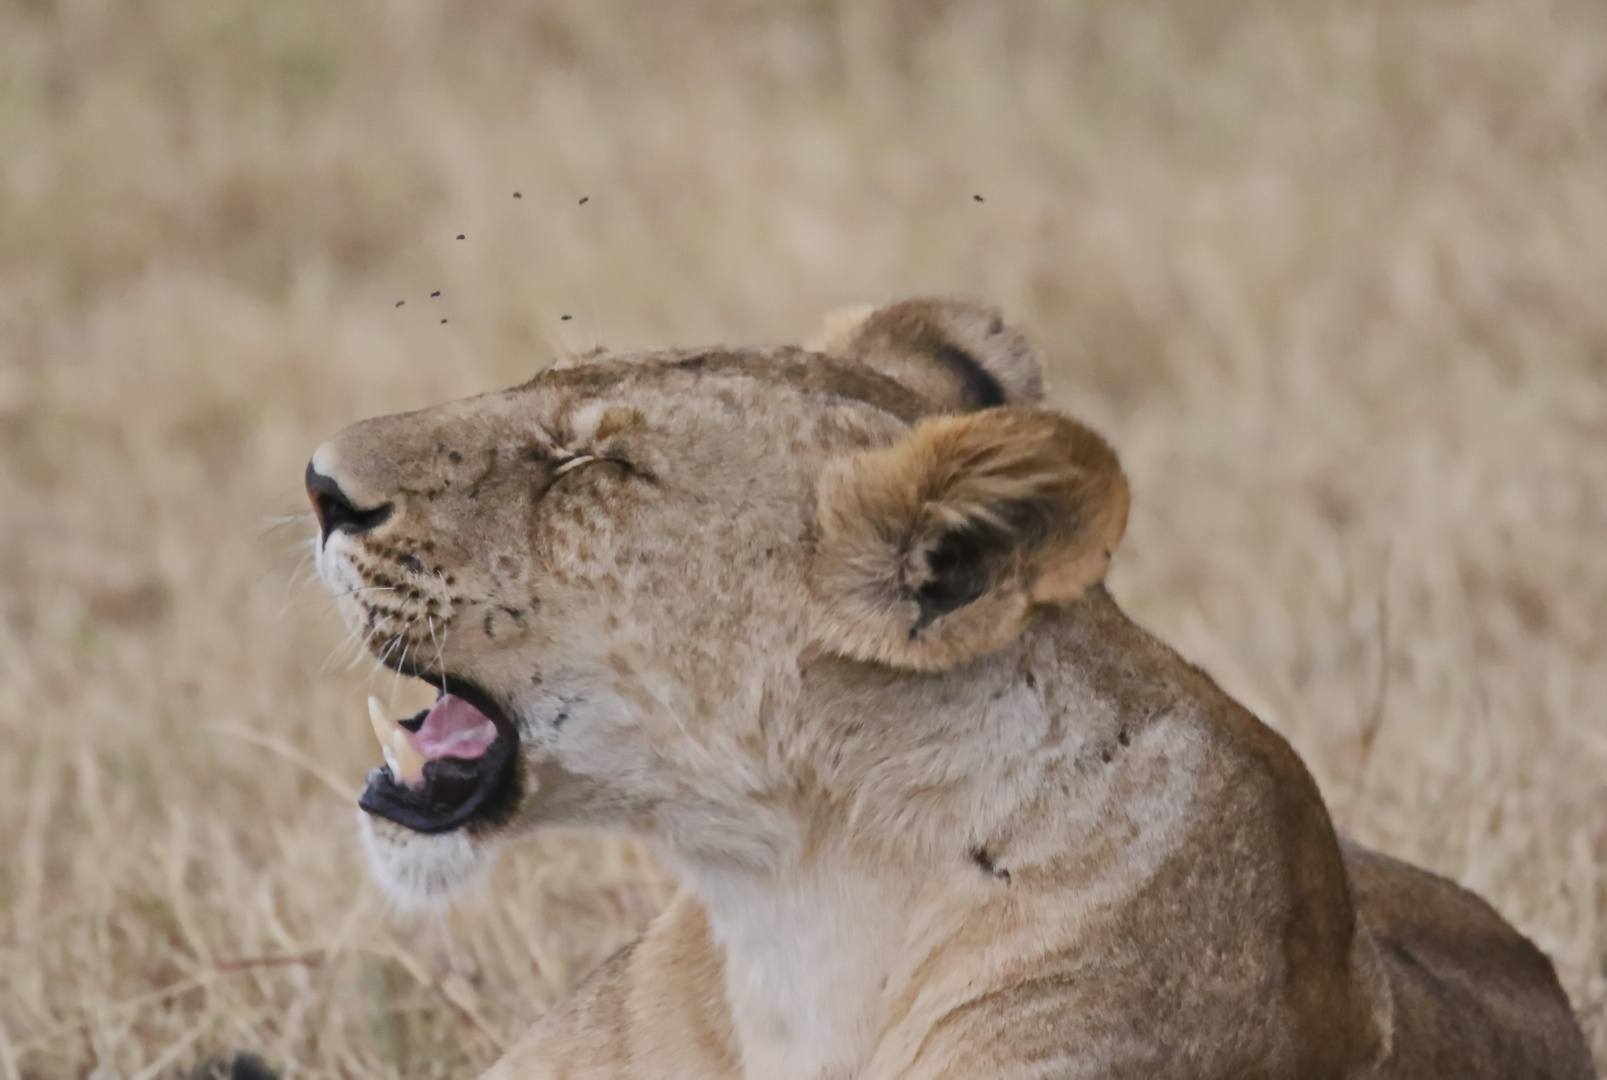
(422, 872)
(828, 627)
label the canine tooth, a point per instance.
(406, 763)
(410, 763)
(381, 721)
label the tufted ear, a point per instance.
(938, 548)
(957, 354)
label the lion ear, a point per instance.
(957, 354)
(939, 548)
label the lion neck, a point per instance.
(807, 954)
(903, 804)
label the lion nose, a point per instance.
(337, 512)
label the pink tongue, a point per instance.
(454, 728)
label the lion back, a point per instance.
(1466, 986)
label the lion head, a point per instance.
(618, 573)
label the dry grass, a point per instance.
(1329, 274)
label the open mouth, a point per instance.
(448, 766)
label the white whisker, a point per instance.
(440, 643)
(572, 464)
(364, 589)
(351, 638)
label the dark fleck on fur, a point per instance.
(985, 863)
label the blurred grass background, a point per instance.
(1330, 274)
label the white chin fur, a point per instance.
(423, 871)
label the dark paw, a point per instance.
(236, 1066)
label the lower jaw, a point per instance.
(456, 794)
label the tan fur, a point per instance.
(928, 344)
(836, 642)
(1042, 496)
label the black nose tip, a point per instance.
(336, 511)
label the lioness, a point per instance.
(828, 627)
